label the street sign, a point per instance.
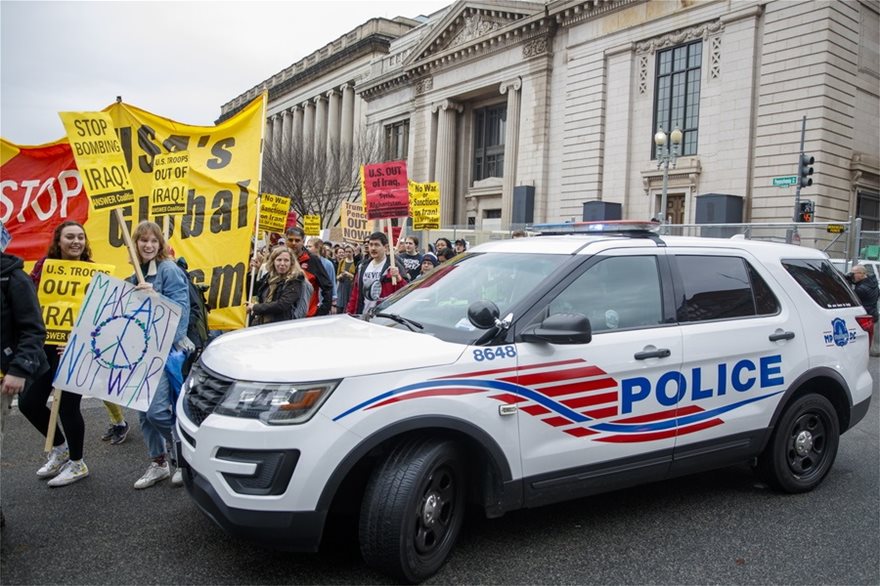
(785, 181)
(835, 228)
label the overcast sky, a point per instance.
(181, 60)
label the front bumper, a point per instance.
(283, 530)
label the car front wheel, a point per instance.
(413, 509)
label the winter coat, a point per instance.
(280, 306)
(356, 302)
(866, 291)
(22, 330)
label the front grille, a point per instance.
(204, 391)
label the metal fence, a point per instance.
(840, 240)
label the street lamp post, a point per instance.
(666, 154)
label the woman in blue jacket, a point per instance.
(162, 276)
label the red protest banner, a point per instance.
(387, 192)
(41, 189)
(291, 219)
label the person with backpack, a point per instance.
(376, 277)
(163, 277)
(278, 292)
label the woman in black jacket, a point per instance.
(278, 291)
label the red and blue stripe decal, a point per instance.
(579, 399)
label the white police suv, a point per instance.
(526, 372)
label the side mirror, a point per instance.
(561, 328)
(483, 314)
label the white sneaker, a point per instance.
(155, 473)
(70, 473)
(177, 478)
(58, 456)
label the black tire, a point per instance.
(413, 509)
(803, 446)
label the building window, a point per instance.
(868, 209)
(397, 141)
(489, 141)
(677, 98)
(492, 214)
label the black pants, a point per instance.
(32, 403)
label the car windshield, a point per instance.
(439, 301)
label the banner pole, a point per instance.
(53, 420)
(132, 252)
(392, 247)
(247, 317)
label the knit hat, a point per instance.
(431, 257)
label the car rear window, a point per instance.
(722, 287)
(822, 282)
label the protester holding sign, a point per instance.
(164, 277)
(376, 278)
(69, 242)
(64, 464)
(278, 292)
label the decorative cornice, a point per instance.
(702, 31)
(576, 12)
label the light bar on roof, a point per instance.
(631, 227)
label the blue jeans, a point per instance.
(157, 422)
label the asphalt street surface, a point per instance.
(721, 527)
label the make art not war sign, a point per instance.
(119, 344)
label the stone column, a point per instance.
(347, 123)
(308, 135)
(276, 135)
(296, 139)
(333, 105)
(447, 111)
(511, 147)
(287, 119)
(432, 146)
(267, 137)
(320, 125)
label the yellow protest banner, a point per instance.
(170, 183)
(353, 219)
(62, 289)
(273, 212)
(424, 200)
(214, 232)
(99, 158)
(312, 225)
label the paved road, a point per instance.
(720, 527)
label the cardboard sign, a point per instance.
(62, 289)
(119, 343)
(387, 192)
(99, 158)
(170, 183)
(273, 212)
(354, 222)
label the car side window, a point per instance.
(615, 293)
(722, 287)
(822, 282)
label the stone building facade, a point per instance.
(560, 99)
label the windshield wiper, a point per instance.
(411, 324)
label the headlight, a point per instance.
(275, 403)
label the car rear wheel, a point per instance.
(413, 509)
(803, 445)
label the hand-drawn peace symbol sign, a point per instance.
(122, 344)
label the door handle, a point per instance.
(781, 336)
(658, 353)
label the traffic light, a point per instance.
(805, 214)
(805, 170)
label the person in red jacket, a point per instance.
(314, 272)
(376, 276)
